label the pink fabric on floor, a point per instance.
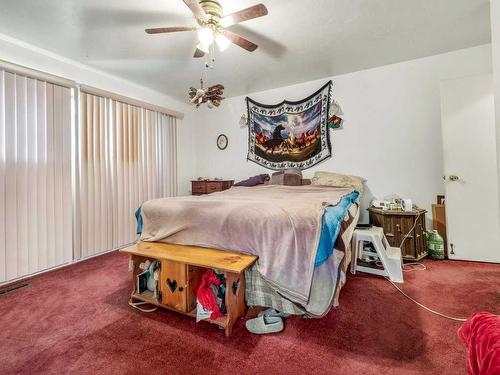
(481, 336)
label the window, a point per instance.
(35, 175)
(126, 156)
(69, 188)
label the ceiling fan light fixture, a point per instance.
(203, 47)
(222, 42)
(206, 36)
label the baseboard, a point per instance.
(16, 280)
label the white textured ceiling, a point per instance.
(300, 40)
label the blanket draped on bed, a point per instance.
(328, 278)
(280, 224)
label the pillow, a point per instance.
(254, 181)
(338, 180)
(289, 177)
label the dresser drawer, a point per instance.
(199, 187)
(213, 187)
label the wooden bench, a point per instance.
(181, 269)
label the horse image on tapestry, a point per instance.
(288, 137)
(290, 134)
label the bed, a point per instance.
(301, 234)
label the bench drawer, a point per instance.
(173, 285)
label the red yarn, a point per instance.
(206, 296)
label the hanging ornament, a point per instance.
(243, 121)
(335, 108)
(211, 95)
(335, 121)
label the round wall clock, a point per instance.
(222, 141)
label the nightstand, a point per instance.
(200, 187)
(397, 224)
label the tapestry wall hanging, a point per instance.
(290, 134)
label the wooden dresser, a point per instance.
(397, 224)
(209, 186)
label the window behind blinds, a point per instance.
(126, 156)
(35, 175)
(69, 189)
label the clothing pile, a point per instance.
(211, 296)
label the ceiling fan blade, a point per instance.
(240, 41)
(255, 11)
(160, 30)
(197, 10)
(198, 53)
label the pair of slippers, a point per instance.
(268, 321)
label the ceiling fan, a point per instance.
(212, 25)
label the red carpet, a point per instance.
(76, 320)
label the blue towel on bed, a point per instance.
(330, 228)
(138, 217)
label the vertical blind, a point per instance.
(69, 189)
(35, 175)
(126, 156)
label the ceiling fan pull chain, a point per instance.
(213, 56)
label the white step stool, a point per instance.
(389, 257)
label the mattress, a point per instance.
(280, 224)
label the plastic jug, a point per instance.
(435, 245)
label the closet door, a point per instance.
(35, 176)
(470, 168)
